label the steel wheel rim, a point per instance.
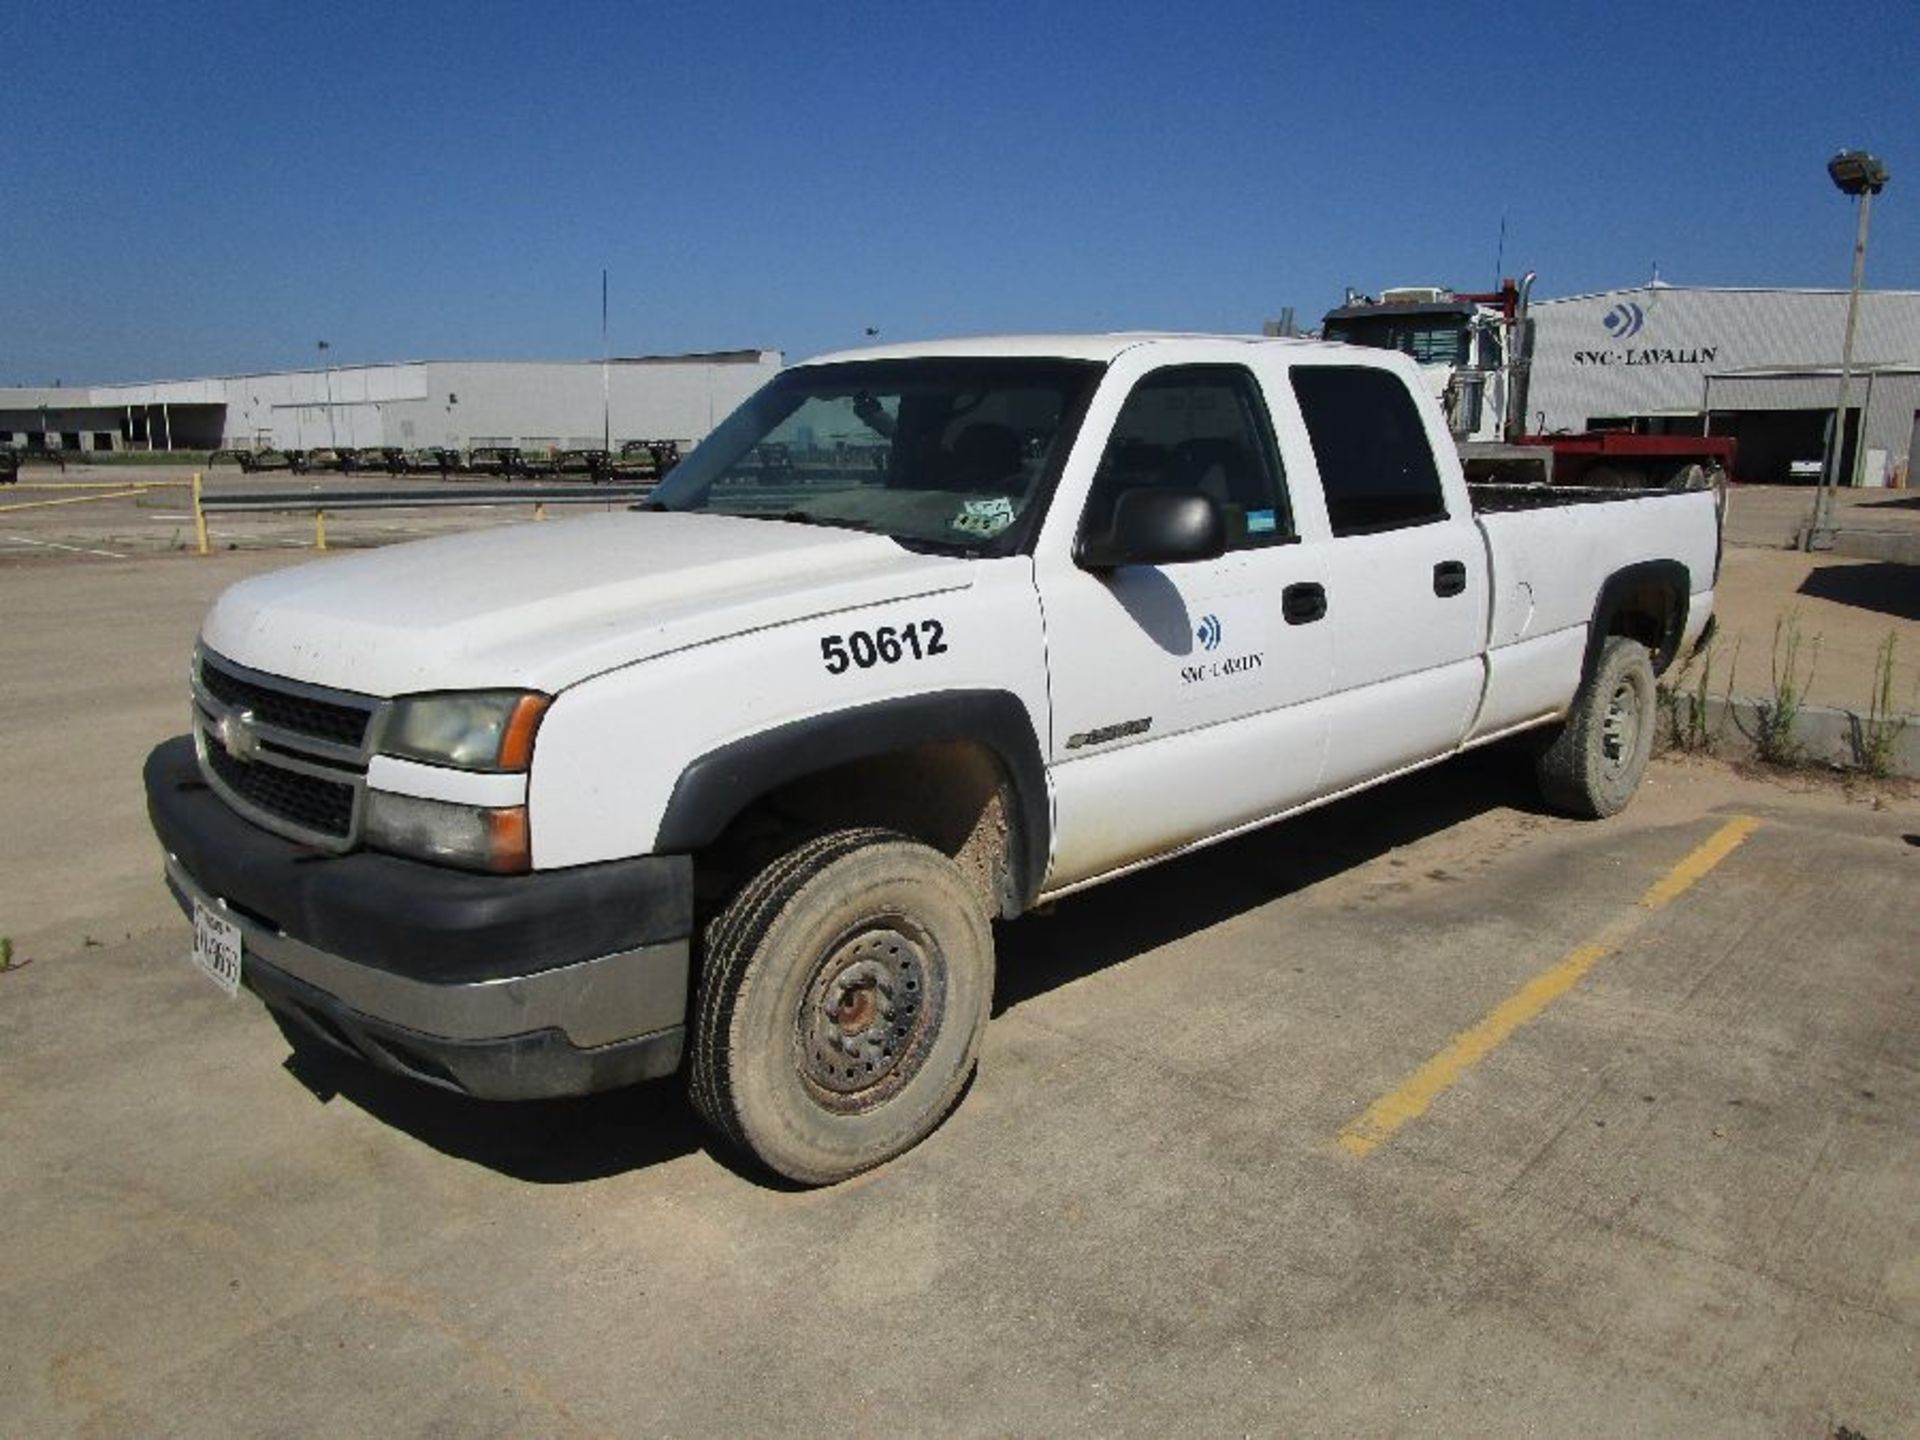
(869, 1015)
(1620, 729)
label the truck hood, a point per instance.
(545, 605)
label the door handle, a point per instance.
(1449, 577)
(1304, 603)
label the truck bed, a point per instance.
(1492, 498)
(1550, 551)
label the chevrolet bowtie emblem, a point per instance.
(235, 733)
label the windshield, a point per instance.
(1429, 339)
(953, 455)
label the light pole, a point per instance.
(1855, 172)
(333, 438)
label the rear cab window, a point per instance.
(1375, 460)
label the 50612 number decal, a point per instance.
(888, 645)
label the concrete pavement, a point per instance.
(1678, 1199)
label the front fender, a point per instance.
(717, 786)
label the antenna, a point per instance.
(1500, 255)
(606, 407)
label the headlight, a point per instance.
(473, 837)
(474, 730)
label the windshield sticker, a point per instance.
(1260, 522)
(984, 517)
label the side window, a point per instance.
(1490, 349)
(1375, 461)
(1197, 427)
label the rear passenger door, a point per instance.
(1179, 691)
(1407, 583)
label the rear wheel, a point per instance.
(841, 1006)
(1616, 477)
(1594, 762)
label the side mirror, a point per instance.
(1156, 527)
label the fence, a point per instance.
(321, 502)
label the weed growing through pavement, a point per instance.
(1685, 696)
(1774, 740)
(1877, 736)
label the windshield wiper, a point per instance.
(806, 517)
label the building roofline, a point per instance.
(692, 357)
(1662, 288)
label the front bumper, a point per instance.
(500, 987)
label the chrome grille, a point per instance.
(306, 801)
(304, 714)
(290, 757)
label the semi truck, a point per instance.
(1475, 353)
(736, 784)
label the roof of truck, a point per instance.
(1100, 348)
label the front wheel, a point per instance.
(1595, 760)
(843, 996)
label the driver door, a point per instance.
(1180, 692)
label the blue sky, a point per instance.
(207, 189)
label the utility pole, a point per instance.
(606, 360)
(1857, 173)
(333, 436)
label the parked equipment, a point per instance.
(325, 457)
(255, 461)
(1476, 352)
(596, 465)
(646, 459)
(438, 460)
(508, 460)
(374, 459)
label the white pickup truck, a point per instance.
(921, 637)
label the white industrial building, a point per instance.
(459, 404)
(1760, 365)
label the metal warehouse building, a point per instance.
(454, 403)
(1760, 365)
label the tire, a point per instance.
(1695, 476)
(1616, 477)
(841, 1004)
(1594, 762)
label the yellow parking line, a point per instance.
(70, 500)
(1677, 881)
(97, 484)
(1411, 1098)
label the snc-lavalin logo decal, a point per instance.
(1623, 322)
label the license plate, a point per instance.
(216, 947)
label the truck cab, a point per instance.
(1459, 342)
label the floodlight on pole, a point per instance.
(1859, 174)
(333, 435)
